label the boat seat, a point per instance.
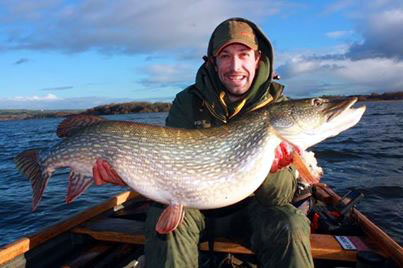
(323, 246)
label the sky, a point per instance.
(57, 54)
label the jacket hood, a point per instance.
(264, 44)
(213, 92)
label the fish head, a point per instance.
(307, 122)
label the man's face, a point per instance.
(236, 66)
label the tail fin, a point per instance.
(28, 164)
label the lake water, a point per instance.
(367, 158)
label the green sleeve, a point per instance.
(181, 113)
(278, 188)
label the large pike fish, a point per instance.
(199, 168)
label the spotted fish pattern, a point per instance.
(200, 168)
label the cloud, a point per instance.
(368, 58)
(57, 88)
(297, 66)
(21, 61)
(312, 87)
(379, 73)
(168, 75)
(125, 26)
(382, 33)
(338, 6)
(378, 25)
(338, 34)
(371, 63)
(49, 97)
(312, 76)
(53, 102)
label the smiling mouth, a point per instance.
(236, 77)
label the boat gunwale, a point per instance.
(385, 243)
(24, 244)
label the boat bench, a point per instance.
(323, 246)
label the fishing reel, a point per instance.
(336, 219)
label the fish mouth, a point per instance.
(338, 115)
(341, 116)
(338, 108)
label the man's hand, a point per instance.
(103, 173)
(282, 156)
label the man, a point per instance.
(236, 78)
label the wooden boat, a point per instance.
(111, 235)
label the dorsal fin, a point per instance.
(75, 122)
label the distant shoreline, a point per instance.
(34, 114)
(108, 109)
(147, 107)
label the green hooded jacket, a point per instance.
(205, 104)
(277, 232)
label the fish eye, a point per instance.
(317, 102)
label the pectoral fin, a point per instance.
(170, 219)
